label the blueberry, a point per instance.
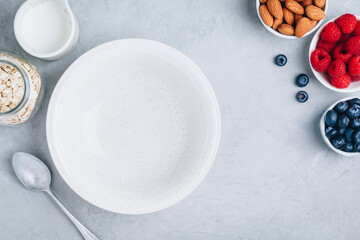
(349, 147)
(341, 107)
(330, 132)
(302, 96)
(356, 136)
(341, 131)
(302, 80)
(353, 112)
(331, 118)
(338, 142)
(356, 105)
(354, 101)
(348, 134)
(355, 123)
(281, 60)
(343, 121)
(356, 148)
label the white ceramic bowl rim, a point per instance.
(17, 29)
(322, 77)
(322, 129)
(285, 36)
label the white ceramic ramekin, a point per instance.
(322, 130)
(324, 78)
(59, 53)
(275, 32)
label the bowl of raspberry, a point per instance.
(334, 54)
(340, 126)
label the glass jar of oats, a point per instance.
(21, 89)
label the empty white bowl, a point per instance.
(323, 78)
(322, 130)
(146, 134)
(275, 32)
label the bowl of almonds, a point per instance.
(291, 19)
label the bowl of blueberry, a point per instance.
(340, 126)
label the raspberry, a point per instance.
(347, 23)
(344, 37)
(331, 33)
(342, 81)
(356, 32)
(354, 78)
(354, 68)
(337, 68)
(353, 45)
(341, 54)
(320, 60)
(325, 45)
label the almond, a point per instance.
(294, 6)
(320, 3)
(315, 13)
(302, 27)
(313, 24)
(275, 8)
(266, 15)
(306, 3)
(277, 22)
(297, 17)
(286, 29)
(288, 16)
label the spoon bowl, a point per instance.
(32, 172)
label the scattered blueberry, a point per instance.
(356, 136)
(341, 107)
(338, 142)
(353, 112)
(343, 121)
(331, 118)
(302, 80)
(330, 132)
(341, 131)
(302, 96)
(281, 60)
(349, 147)
(348, 134)
(354, 101)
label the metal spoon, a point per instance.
(34, 174)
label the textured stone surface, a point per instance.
(273, 178)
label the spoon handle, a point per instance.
(84, 232)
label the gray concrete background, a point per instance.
(273, 178)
